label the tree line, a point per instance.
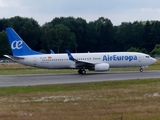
(78, 35)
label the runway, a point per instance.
(40, 79)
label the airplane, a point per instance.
(101, 61)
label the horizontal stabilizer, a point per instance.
(14, 58)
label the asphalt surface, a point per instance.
(39, 79)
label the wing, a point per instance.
(80, 63)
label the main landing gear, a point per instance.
(141, 69)
(81, 71)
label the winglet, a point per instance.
(52, 51)
(70, 56)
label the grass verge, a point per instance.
(131, 99)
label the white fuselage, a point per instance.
(114, 59)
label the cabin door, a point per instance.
(139, 59)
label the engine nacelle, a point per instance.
(101, 67)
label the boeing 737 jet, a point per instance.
(101, 61)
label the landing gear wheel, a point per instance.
(141, 70)
(81, 71)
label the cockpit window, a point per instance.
(147, 56)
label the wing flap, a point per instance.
(84, 63)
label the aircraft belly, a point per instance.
(25, 62)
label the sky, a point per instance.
(117, 11)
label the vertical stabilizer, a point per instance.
(18, 46)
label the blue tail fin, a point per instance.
(18, 46)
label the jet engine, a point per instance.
(101, 67)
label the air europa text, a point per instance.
(119, 58)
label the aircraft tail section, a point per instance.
(18, 46)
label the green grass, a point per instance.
(16, 71)
(75, 86)
(113, 100)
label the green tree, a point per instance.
(133, 49)
(155, 35)
(77, 35)
(91, 35)
(28, 29)
(64, 39)
(4, 44)
(47, 37)
(78, 27)
(143, 50)
(156, 50)
(123, 36)
(4, 23)
(31, 32)
(137, 35)
(104, 29)
(147, 36)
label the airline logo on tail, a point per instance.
(16, 44)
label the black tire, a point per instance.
(81, 71)
(141, 70)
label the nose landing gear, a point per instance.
(141, 69)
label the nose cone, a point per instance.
(153, 60)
